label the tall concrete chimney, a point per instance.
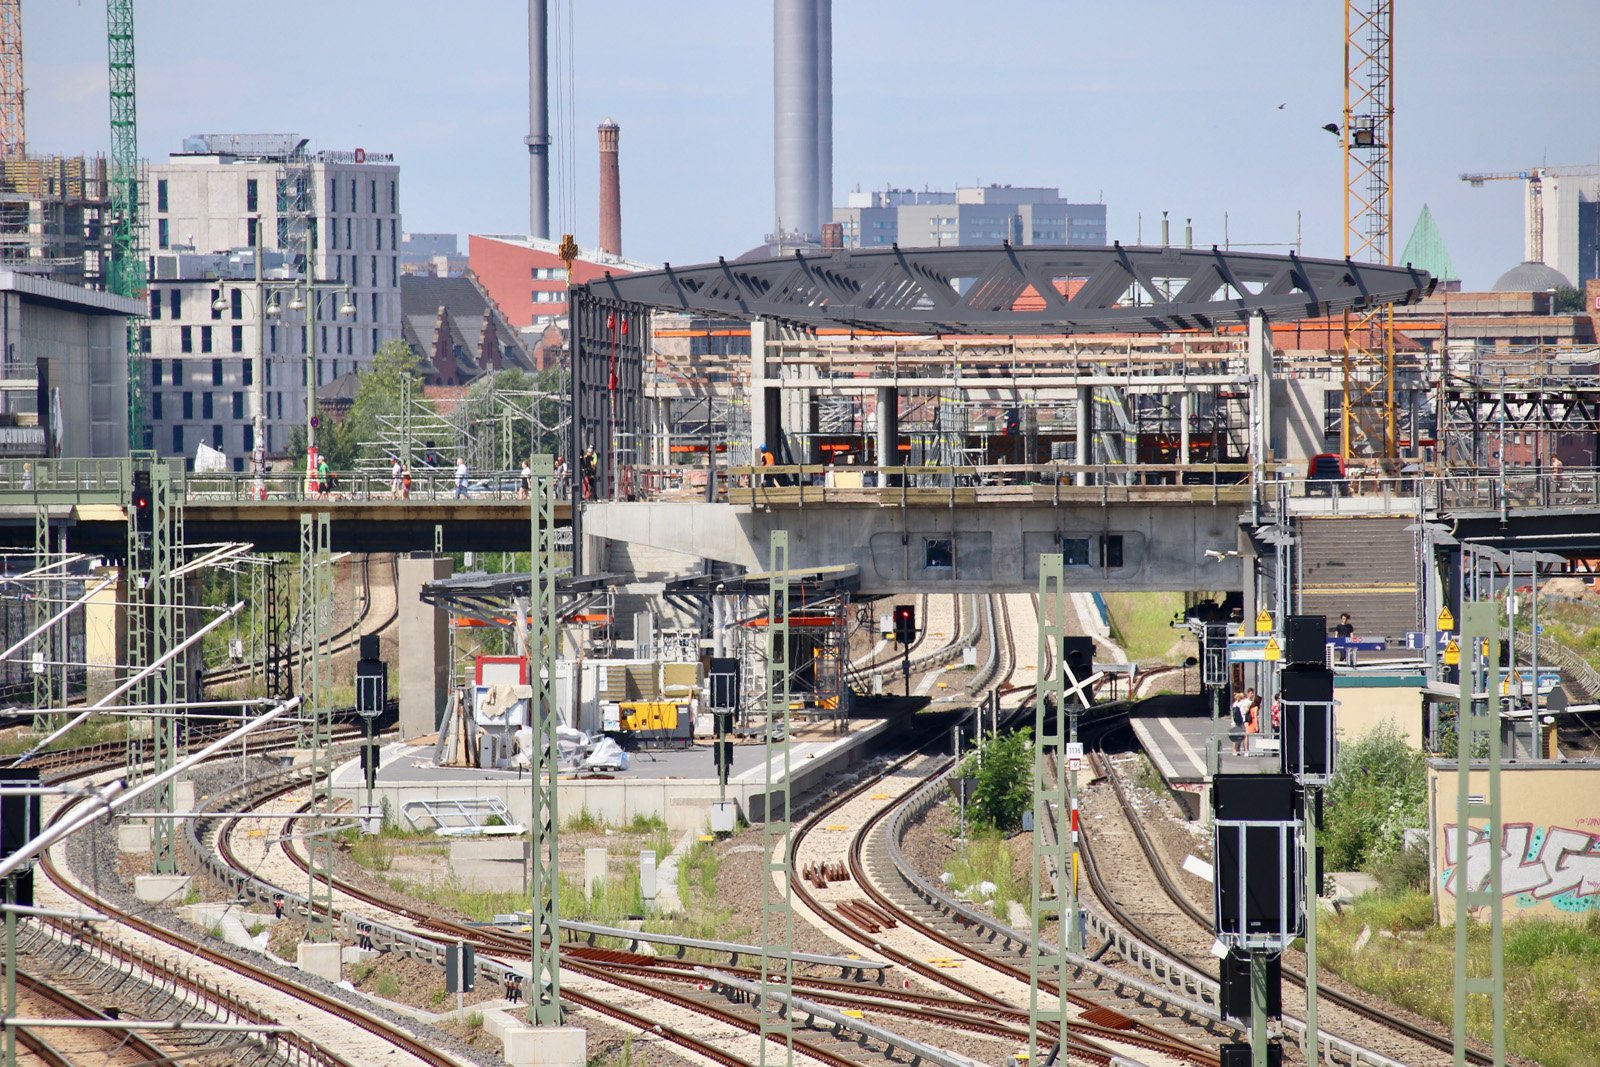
(824, 113)
(538, 139)
(610, 190)
(795, 93)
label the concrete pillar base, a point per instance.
(162, 888)
(321, 958)
(133, 837)
(183, 796)
(546, 1046)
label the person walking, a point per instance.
(461, 479)
(525, 482)
(561, 477)
(1238, 717)
(394, 477)
(322, 477)
(1252, 723)
(405, 483)
(589, 468)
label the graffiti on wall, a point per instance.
(1538, 865)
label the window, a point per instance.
(247, 372)
(312, 226)
(338, 339)
(938, 553)
(144, 338)
(155, 303)
(393, 244)
(394, 272)
(272, 343)
(205, 406)
(549, 296)
(547, 274)
(352, 194)
(177, 372)
(393, 200)
(236, 299)
(347, 243)
(250, 198)
(333, 196)
(177, 440)
(175, 302)
(355, 269)
(374, 196)
(302, 373)
(374, 338)
(374, 272)
(188, 405)
(249, 436)
(333, 234)
(280, 404)
(1075, 551)
(155, 372)
(333, 370)
(216, 294)
(186, 338)
(324, 348)
(238, 339)
(319, 374)
(216, 372)
(161, 195)
(374, 305)
(155, 406)
(1111, 551)
(163, 234)
(252, 231)
(216, 437)
(205, 338)
(377, 234)
(338, 268)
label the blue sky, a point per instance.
(1153, 106)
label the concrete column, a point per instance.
(757, 397)
(594, 871)
(424, 655)
(888, 430)
(1185, 412)
(1258, 353)
(1085, 430)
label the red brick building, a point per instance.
(529, 281)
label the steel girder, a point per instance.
(1019, 290)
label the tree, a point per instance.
(1003, 769)
(1379, 789)
(1569, 300)
(381, 393)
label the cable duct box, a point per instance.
(1305, 639)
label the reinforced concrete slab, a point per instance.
(546, 1046)
(676, 785)
(161, 888)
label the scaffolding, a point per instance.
(54, 217)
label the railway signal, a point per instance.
(905, 624)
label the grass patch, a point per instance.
(1552, 971)
(376, 852)
(986, 857)
(585, 822)
(94, 730)
(1142, 622)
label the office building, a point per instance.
(213, 204)
(526, 277)
(975, 215)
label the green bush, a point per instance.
(1003, 768)
(1378, 790)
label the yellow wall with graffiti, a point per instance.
(1550, 849)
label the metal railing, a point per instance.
(427, 483)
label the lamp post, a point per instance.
(269, 304)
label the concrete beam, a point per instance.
(997, 547)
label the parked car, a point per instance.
(1325, 475)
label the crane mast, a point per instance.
(13, 124)
(1367, 421)
(127, 274)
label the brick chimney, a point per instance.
(610, 191)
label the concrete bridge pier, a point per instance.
(424, 655)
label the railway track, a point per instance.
(680, 987)
(64, 1046)
(1326, 994)
(236, 673)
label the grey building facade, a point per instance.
(976, 215)
(211, 206)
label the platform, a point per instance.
(1176, 732)
(677, 786)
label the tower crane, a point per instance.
(127, 274)
(13, 128)
(1367, 416)
(1535, 177)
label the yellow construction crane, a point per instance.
(1367, 422)
(13, 125)
(1535, 177)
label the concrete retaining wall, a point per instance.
(1550, 852)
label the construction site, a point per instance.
(944, 634)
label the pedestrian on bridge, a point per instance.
(395, 470)
(524, 481)
(461, 480)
